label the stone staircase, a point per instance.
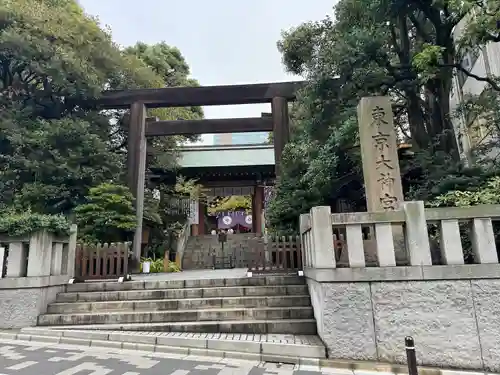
(250, 305)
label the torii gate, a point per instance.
(278, 94)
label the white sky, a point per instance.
(223, 41)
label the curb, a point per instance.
(248, 350)
(155, 348)
(140, 342)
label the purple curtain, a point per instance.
(230, 219)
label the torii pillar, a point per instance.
(136, 165)
(257, 207)
(281, 129)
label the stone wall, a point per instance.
(36, 268)
(455, 322)
(22, 300)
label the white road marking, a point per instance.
(22, 365)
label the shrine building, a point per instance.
(224, 171)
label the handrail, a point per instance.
(182, 240)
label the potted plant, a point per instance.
(146, 262)
(146, 265)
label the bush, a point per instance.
(484, 194)
(157, 266)
(108, 215)
(173, 267)
(20, 224)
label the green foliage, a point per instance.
(486, 194)
(401, 49)
(49, 166)
(53, 149)
(166, 61)
(190, 188)
(171, 70)
(19, 224)
(172, 267)
(108, 215)
(53, 58)
(157, 266)
(232, 203)
(426, 61)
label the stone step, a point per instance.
(178, 304)
(270, 280)
(282, 326)
(178, 293)
(267, 347)
(265, 313)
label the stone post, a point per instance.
(56, 266)
(304, 223)
(483, 241)
(322, 238)
(383, 188)
(417, 236)
(2, 260)
(17, 259)
(70, 268)
(379, 153)
(40, 254)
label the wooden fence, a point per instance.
(102, 261)
(276, 254)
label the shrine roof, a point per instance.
(226, 156)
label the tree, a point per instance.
(166, 61)
(53, 149)
(53, 57)
(402, 49)
(49, 165)
(107, 216)
(169, 65)
(232, 203)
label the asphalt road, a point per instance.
(30, 358)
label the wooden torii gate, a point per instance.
(278, 94)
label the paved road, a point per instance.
(30, 358)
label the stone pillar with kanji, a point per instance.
(379, 153)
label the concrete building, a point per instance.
(240, 138)
(485, 61)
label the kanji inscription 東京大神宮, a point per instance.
(379, 153)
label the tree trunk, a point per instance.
(415, 116)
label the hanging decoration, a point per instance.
(231, 219)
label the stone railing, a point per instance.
(34, 269)
(181, 243)
(430, 273)
(319, 240)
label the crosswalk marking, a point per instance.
(22, 365)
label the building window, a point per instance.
(468, 62)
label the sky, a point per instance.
(224, 41)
